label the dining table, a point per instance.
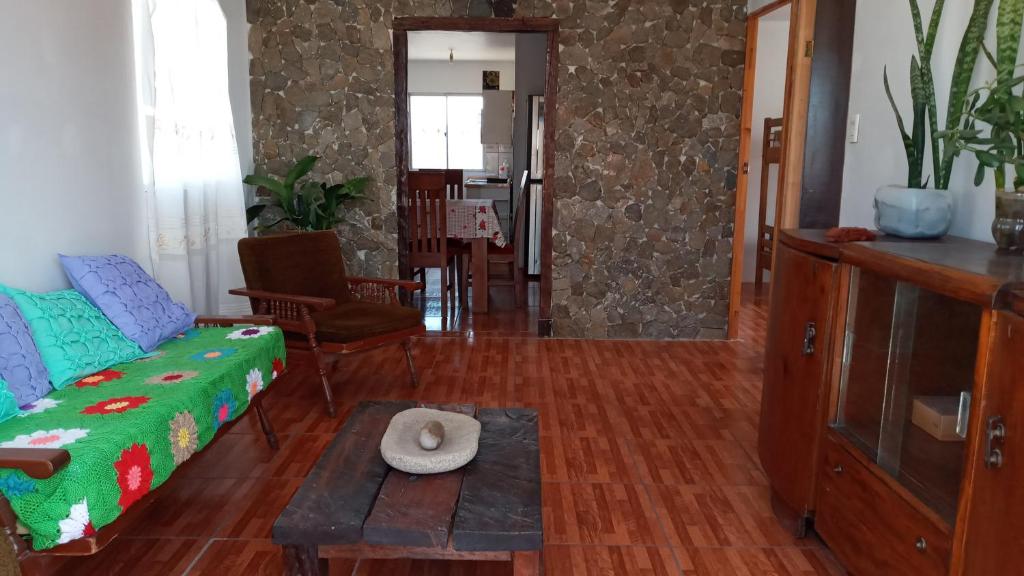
(475, 220)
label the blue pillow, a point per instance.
(8, 405)
(74, 339)
(129, 297)
(20, 364)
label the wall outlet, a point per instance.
(853, 129)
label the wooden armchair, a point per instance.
(300, 279)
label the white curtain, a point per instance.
(195, 201)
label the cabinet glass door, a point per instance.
(907, 377)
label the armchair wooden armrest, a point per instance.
(38, 463)
(380, 290)
(225, 321)
(290, 299)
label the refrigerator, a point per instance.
(535, 184)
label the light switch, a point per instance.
(853, 128)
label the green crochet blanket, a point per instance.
(128, 427)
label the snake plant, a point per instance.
(1002, 108)
(922, 92)
(312, 205)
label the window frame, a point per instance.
(447, 154)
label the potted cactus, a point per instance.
(923, 208)
(993, 128)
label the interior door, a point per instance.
(994, 525)
(795, 390)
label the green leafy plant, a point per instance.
(924, 109)
(996, 105)
(309, 205)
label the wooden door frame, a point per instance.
(400, 41)
(798, 73)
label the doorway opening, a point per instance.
(474, 101)
(772, 133)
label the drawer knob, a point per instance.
(838, 469)
(921, 544)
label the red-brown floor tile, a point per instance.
(609, 560)
(249, 456)
(705, 462)
(777, 561)
(607, 514)
(131, 557)
(256, 506)
(705, 516)
(586, 459)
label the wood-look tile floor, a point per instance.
(648, 456)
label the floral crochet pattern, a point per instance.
(215, 354)
(77, 524)
(14, 486)
(254, 382)
(46, 438)
(116, 405)
(250, 332)
(278, 367)
(134, 474)
(99, 378)
(223, 406)
(38, 407)
(184, 437)
(172, 377)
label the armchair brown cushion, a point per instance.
(355, 321)
(303, 263)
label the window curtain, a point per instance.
(195, 199)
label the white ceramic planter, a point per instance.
(913, 212)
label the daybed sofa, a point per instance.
(77, 463)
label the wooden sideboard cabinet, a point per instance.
(901, 434)
(795, 384)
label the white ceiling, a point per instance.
(435, 45)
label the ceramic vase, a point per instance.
(913, 212)
(1008, 227)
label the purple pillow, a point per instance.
(140, 308)
(20, 364)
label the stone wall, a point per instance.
(648, 131)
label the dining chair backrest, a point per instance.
(519, 219)
(453, 181)
(427, 215)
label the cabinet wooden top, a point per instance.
(962, 268)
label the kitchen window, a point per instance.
(446, 132)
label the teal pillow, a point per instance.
(8, 405)
(74, 338)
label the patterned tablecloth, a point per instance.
(472, 218)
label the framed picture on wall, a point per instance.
(492, 80)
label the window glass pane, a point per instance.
(427, 123)
(464, 148)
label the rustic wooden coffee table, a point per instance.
(353, 505)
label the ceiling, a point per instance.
(435, 45)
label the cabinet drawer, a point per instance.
(872, 528)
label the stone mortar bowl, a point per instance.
(401, 449)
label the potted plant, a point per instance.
(310, 205)
(993, 128)
(917, 210)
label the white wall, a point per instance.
(884, 36)
(769, 95)
(69, 158)
(459, 77)
(68, 144)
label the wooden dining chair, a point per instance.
(427, 211)
(511, 254)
